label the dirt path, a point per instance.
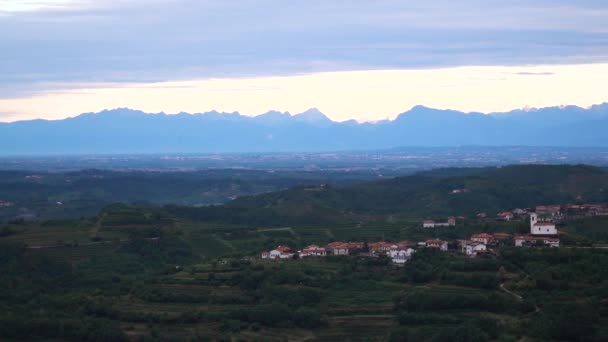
(77, 244)
(519, 298)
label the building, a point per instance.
(520, 212)
(338, 248)
(401, 255)
(507, 216)
(281, 252)
(484, 238)
(553, 211)
(460, 191)
(432, 224)
(437, 244)
(540, 226)
(473, 248)
(380, 247)
(428, 224)
(501, 237)
(405, 244)
(530, 240)
(313, 250)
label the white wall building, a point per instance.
(472, 248)
(401, 255)
(541, 227)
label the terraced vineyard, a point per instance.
(186, 280)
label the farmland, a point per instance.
(185, 280)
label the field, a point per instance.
(117, 278)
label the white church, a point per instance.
(538, 226)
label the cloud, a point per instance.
(360, 95)
(58, 41)
(529, 73)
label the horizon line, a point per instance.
(523, 109)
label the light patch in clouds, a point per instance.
(361, 95)
(33, 5)
(529, 73)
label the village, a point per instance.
(543, 221)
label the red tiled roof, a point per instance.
(284, 249)
(482, 236)
(544, 224)
(502, 235)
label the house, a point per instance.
(380, 247)
(313, 250)
(401, 255)
(481, 215)
(519, 211)
(5, 204)
(356, 246)
(281, 252)
(338, 248)
(472, 248)
(507, 216)
(437, 244)
(530, 240)
(405, 243)
(540, 226)
(460, 191)
(432, 224)
(428, 224)
(484, 238)
(501, 236)
(553, 211)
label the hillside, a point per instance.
(112, 131)
(430, 194)
(73, 194)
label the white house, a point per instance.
(437, 244)
(339, 248)
(472, 248)
(484, 238)
(281, 252)
(507, 216)
(313, 250)
(531, 240)
(401, 255)
(541, 227)
(432, 224)
(428, 224)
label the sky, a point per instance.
(363, 60)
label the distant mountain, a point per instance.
(129, 131)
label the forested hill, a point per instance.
(431, 193)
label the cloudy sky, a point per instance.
(365, 60)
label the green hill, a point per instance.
(488, 190)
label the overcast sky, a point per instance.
(352, 59)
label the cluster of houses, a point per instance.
(556, 213)
(5, 204)
(543, 232)
(399, 252)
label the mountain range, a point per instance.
(130, 131)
